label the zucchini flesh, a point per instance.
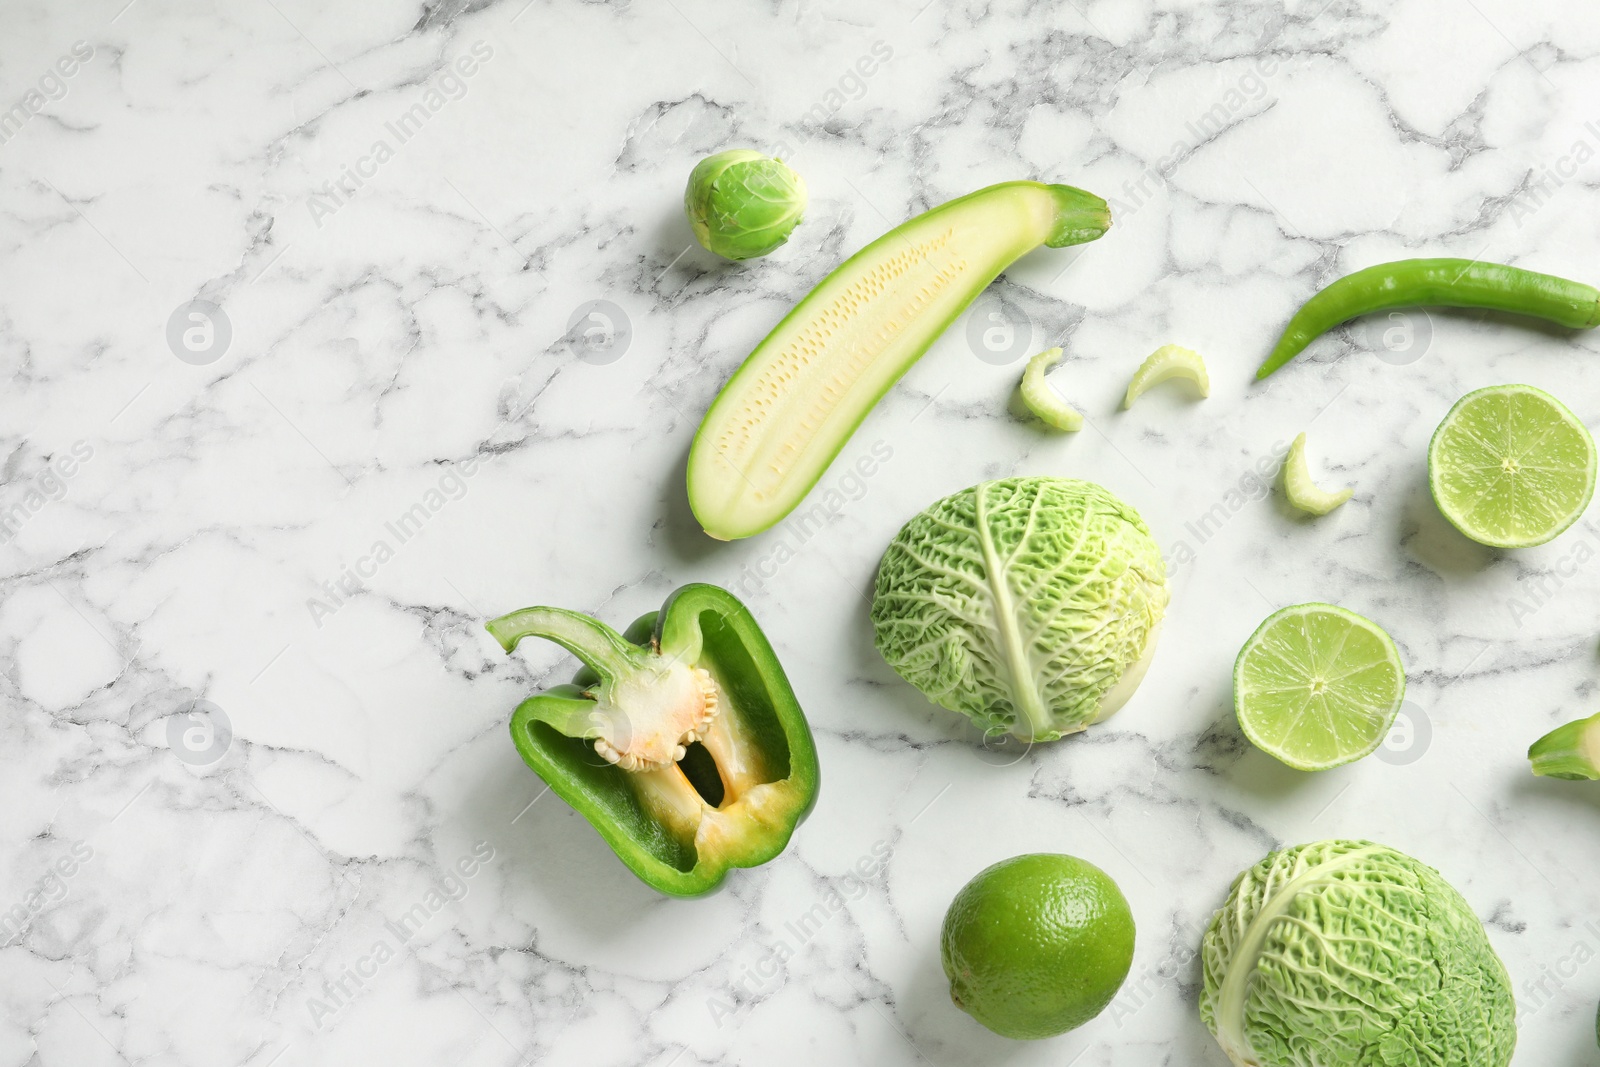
(795, 401)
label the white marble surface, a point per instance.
(404, 337)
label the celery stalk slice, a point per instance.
(1304, 493)
(1167, 362)
(1044, 401)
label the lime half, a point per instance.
(1510, 466)
(1317, 686)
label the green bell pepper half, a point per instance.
(680, 740)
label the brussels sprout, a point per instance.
(743, 204)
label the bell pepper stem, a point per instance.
(646, 708)
(601, 648)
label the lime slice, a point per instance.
(1168, 361)
(1317, 686)
(1303, 493)
(1044, 401)
(1510, 466)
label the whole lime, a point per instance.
(1037, 945)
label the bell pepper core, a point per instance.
(680, 740)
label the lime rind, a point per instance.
(1165, 363)
(1310, 727)
(1044, 401)
(1304, 493)
(1037, 945)
(1511, 467)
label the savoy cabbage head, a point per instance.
(1349, 953)
(1029, 605)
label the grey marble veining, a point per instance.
(291, 514)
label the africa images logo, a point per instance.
(598, 332)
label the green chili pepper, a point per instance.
(1459, 283)
(679, 740)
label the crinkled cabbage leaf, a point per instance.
(1349, 953)
(1029, 604)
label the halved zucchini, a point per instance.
(796, 399)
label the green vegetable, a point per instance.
(1302, 492)
(1568, 751)
(680, 741)
(1167, 362)
(1511, 467)
(742, 204)
(1029, 605)
(792, 405)
(1351, 954)
(1044, 401)
(1460, 283)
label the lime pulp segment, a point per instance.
(1317, 686)
(1510, 466)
